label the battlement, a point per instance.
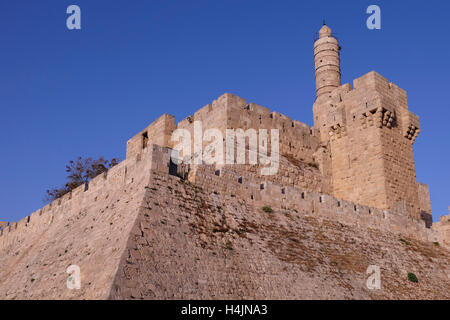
(442, 229)
(446, 219)
(133, 171)
(158, 132)
(259, 192)
(3, 224)
(370, 132)
(372, 100)
(237, 181)
(297, 139)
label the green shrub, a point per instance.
(412, 277)
(267, 209)
(436, 244)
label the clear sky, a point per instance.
(68, 93)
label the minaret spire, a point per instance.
(327, 62)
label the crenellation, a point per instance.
(203, 112)
(442, 229)
(158, 132)
(313, 203)
(297, 140)
(3, 224)
(80, 198)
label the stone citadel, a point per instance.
(345, 196)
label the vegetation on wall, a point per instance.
(80, 171)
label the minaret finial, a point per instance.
(324, 22)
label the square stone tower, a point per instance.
(368, 133)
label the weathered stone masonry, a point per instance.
(362, 138)
(353, 170)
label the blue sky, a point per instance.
(85, 92)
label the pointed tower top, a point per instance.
(325, 31)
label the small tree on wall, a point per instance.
(80, 171)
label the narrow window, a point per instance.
(144, 140)
(240, 180)
(173, 168)
(217, 172)
(261, 186)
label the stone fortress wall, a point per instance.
(305, 166)
(356, 163)
(299, 184)
(234, 180)
(82, 228)
(242, 181)
(135, 170)
(88, 227)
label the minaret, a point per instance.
(327, 62)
